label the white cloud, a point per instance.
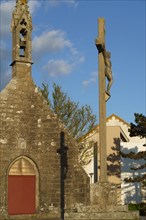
(91, 80)
(81, 59)
(73, 3)
(5, 15)
(56, 41)
(6, 10)
(55, 3)
(33, 6)
(58, 67)
(50, 41)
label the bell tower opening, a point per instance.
(23, 38)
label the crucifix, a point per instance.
(105, 82)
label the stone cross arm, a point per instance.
(100, 44)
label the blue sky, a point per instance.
(64, 51)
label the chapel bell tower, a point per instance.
(21, 29)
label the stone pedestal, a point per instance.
(103, 194)
(94, 212)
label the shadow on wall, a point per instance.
(122, 168)
(63, 172)
(132, 191)
(114, 163)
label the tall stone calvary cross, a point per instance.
(104, 71)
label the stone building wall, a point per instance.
(29, 129)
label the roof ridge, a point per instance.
(108, 118)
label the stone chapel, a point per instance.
(31, 137)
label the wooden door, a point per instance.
(22, 188)
(21, 195)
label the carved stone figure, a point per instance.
(100, 44)
(108, 70)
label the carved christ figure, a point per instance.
(108, 70)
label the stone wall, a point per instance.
(103, 194)
(29, 129)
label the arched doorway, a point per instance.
(22, 187)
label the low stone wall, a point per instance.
(103, 194)
(95, 212)
(81, 212)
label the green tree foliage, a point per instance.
(78, 120)
(45, 92)
(137, 129)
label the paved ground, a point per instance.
(142, 217)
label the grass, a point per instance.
(141, 207)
